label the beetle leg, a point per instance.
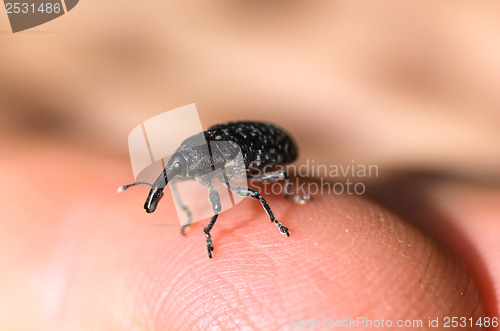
(177, 197)
(277, 175)
(214, 199)
(248, 192)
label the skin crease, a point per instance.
(412, 88)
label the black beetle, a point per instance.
(262, 145)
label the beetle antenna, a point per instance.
(124, 187)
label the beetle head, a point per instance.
(176, 166)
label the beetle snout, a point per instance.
(154, 196)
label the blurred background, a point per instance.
(411, 87)
(401, 85)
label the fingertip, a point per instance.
(345, 257)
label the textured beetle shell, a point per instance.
(260, 143)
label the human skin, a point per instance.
(77, 255)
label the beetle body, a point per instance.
(260, 145)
